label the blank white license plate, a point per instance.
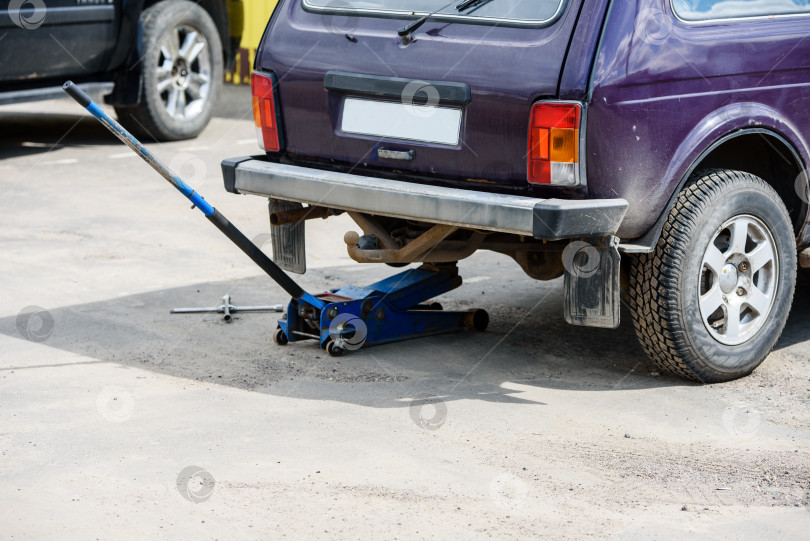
(394, 120)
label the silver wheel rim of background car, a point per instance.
(738, 280)
(184, 72)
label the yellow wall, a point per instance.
(257, 13)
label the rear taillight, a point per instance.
(264, 112)
(554, 144)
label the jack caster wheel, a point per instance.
(280, 338)
(334, 350)
(476, 320)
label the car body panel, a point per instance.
(659, 92)
(42, 44)
(515, 67)
(575, 78)
(62, 38)
(664, 90)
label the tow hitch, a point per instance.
(344, 319)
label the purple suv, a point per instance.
(653, 152)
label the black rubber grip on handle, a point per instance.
(254, 253)
(77, 94)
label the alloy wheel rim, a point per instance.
(184, 72)
(738, 280)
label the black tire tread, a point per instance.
(138, 119)
(655, 276)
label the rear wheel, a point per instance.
(182, 72)
(712, 299)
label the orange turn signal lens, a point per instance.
(564, 145)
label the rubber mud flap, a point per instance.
(592, 288)
(289, 240)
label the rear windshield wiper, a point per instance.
(470, 3)
(406, 32)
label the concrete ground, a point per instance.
(121, 421)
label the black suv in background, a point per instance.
(159, 62)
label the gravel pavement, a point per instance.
(119, 420)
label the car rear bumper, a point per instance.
(545, 219)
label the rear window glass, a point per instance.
(495, 11)
(701, 10)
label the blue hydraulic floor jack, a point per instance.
(344, 319)
(387, 311)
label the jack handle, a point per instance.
(213, 215)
